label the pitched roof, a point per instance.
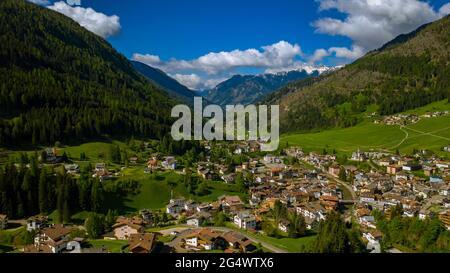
(56, 232)
(142, 242)
(135, 222)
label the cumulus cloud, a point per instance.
(90, 19)
(280, 54)
(318, 55)
(343, 52)
(372, 23)
(191, 81)
(195, 82)
(210, 69)
(444, 10)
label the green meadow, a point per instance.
(428, 133)
(155, 191)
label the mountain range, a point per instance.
(248, 89)
(239, 89)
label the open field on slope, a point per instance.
(428, 133)
(155, 191)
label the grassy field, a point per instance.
(297, 245)
(429, 133)
(114, 246)
(156, 189)
(293, 245)
(11, 238)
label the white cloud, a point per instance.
(343, 52)
(318, 55)
(277, 55)
(90, 19)
(191, 81)
(372, 23)
(195, 82)
(207, 71)
(444, 10)
(148, 59)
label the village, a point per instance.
(308, 185)
(408, 119)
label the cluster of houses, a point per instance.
(153, 164)
(303, 191)
(405, 119)
(199, 213)
(420, 184)
(57, 238)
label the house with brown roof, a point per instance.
(373, 236)
(205, 239)
(237, 241)
(36, 222)
(125, 227)
(393, 169)
(142, 242)
(231, 201)
(445, 218)
(330, 202)
(334, 169)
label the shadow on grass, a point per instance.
(14, 225)
(4, 249)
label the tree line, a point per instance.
(27, 191)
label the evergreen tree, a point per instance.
(94, 225)
(43, 192)
(96, 196)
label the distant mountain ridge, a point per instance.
(248, 89)
(170, 85)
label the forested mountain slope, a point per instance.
(59, 81)
(408, 72)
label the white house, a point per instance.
(72, 168)
(245, 220)
(55, 238)
(175, 206)
(367, 220)
(373, 237)
(197, 219)
(283, 226)
(315, 211)
(36, 222)
(443, 165)
(169, 163)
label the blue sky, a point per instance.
(201, 42)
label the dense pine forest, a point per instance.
(61, 82)
(28, 191)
